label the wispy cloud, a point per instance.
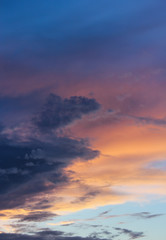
(131, 234)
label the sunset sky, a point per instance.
(82, 119)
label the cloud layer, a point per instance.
(35, 166)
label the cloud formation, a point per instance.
(146, 215)
(44, 235)
(58, 112)
(22, 166)
(36, 165)
(131, 234)
(38, 216)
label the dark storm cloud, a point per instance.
(63, 148)
(45, 235)
(24, 168)
(16, 168)
(27, 166)
(58, 112)
(131, 234)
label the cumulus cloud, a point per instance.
(58, 112)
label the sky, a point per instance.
(82, 120)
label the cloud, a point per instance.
(26, 169)
(45, 235)
(88, 196)
(58, 112)
(24, 172)
(25, 193)
(38, 216)
(16, 169)
(146, 215)
(132, 235)
(34, 166)
(149, 120)
(102, 214)
(142, 215)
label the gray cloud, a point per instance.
(26, 166)
(141, 215)
(149, 120)
(38, 216)
(131, 234)
(58, 112)
(104, 213)
(146, 215)
(45, 235)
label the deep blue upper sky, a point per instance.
(54, 35)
